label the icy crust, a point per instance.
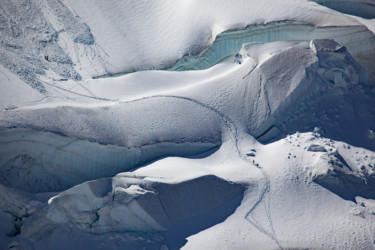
(358, 40)
(130, 203)
(361, 8)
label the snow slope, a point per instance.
(268, 143)
(287, 210)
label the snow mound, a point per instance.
(129, 203)
(347, 176)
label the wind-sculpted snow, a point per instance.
(37, 161)
(132, 124)
(27, 155)
(358, 39)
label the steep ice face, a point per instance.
(358, 40)
(324, 82)
(273, 90)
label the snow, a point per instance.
(136, 205)
(132, 25)
(264, 140)
(289, 215)
(110, 38)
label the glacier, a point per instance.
(193, 125)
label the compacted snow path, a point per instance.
(266, 206)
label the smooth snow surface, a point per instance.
(187, 124)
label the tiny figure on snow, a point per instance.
(46, 57)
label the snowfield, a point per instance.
(187, 124)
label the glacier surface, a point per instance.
(187, 124)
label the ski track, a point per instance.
(75, 93)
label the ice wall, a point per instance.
(358, 39)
